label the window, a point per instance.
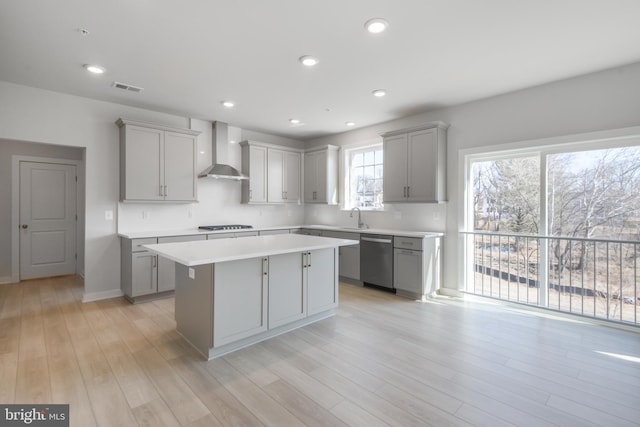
(364, 177)
(557, 227)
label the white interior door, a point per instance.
(47, 219)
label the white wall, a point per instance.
(605, 100)
(35, 115)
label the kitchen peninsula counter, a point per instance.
(231, 293)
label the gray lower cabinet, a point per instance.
(138, 268)
(416, 270)
(166, 267)
(349, 255)
(350, 262)
(143, 275)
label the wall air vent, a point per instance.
(127, 87)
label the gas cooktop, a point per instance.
(224, 227)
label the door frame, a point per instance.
(15, 207)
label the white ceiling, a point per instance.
(189, 55)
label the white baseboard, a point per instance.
(97, 296)
(450, 292)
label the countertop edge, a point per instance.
(161, 249)
(196, 232)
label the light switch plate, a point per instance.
(192, 273)
(108, 215)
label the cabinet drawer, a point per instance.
(341, 235)
(408, 243)
(136, 244)
(177, 239)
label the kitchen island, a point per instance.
(231, 293)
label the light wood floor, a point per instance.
(382, 360)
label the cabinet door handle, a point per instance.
(308, 259)
(154, 260)
(408, 191)
(404, 191)
(265, 266)
(304, 260)
(166, 190)
(161, 191)
(250, 194)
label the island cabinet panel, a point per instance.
(287, 288)
(193, 302)
(239, 300)
(322, 280)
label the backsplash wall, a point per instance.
(219, 203)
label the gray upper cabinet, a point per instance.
(321, 175)
(415, 164)
(283, 179)
(274, 173)
(157, 163)
(254, 164)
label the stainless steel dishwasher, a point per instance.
(376, 260)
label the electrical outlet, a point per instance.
(145, 215)
(108, 215)
(192, 273)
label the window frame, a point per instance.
(618, 138)
(347, 156)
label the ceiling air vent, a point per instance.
(127, 87)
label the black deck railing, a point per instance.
(592, 277)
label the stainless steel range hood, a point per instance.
(219, 155)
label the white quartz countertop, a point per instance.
(222, 250)
(195, 231)
(405, 233)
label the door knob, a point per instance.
(24, 226)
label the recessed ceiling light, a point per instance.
(376, 25)
(309, 61)
(228, 104)
(294, 121)
(95, 69)
(350, 124)
(379, 93)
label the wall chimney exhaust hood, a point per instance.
(219, 155)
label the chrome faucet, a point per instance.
(360, 223)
